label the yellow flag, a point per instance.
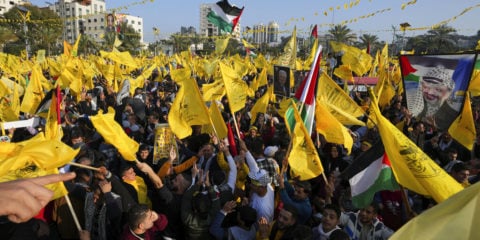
(384, 90)
(34, 91)
(331, 128)
(303, 159)
(221, 44)
(4, 89)
(463, 128)
(344, 72)
(247, 44)
(32, 171)
(235, 87)
(140, 80)
(383, 59)
(261, 104)
(75, 46)
(213, 91)
(117, 43)
(360, 61)
(474, 86)
(454, 212)
(289, 56)
(188, 107)
(338, 102)
(38, 151)
(114, 134)
(120, 57)
(412, 167)
(67, 48)
(217, 121)
(308, 62)
(53, 129)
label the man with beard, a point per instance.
(364, 224)
(285, 227)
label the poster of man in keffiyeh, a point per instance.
(435, 86)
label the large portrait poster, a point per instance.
(281, 81)
(435, 86)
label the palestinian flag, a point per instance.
(369, 173)
(224, 15)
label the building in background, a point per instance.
(75, 16)
(265, 33)
(208, 29)
(6, 5)
(91, 19)
(187, 30)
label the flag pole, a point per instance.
(74, 215)
(408, 208)
(285, 160)
(84, 166)
(236, 125)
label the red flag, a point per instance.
(306, 91)
(231, 141)
(406, 66)
(314, 32)
(59, 101)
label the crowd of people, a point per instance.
(212, 188)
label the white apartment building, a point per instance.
(265, 33)
(75, 16)
(6, 5)
(90, 20)
(96, 24)
(206, 28)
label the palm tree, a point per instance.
(341, 33)
(368, 41)
(442, 39)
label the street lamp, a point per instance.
(403, 27)
(156, 33)
(26, 17)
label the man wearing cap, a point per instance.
(268, 163)
(262, 193)
(296, 195)
(436, 87)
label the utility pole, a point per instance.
(25, 14)
(403, 27)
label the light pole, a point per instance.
(156, 33)
(26, 17)
(403, 27)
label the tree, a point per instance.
(88, 45)
(442, 39)
(128, 36)
(43, 25)
(180, 43)
(341, 33)
(6, 36)
(370, 42)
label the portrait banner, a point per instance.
(164, 141)
(281, 81)
(435, 86)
